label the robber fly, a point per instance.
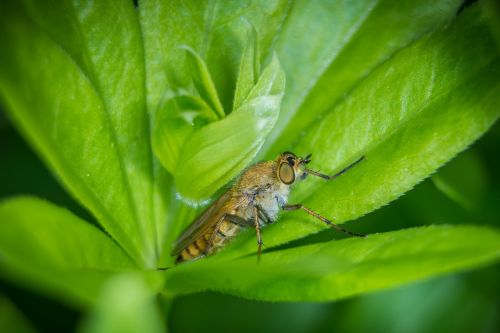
(254, 201)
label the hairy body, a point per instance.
(256, 189)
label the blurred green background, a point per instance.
(464, 191)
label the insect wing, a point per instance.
(206, 220)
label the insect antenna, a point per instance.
(327, 177)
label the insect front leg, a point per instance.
(257, 230)
(263, 215)
(324, 219)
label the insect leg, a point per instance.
(257, 230)
(235, 219)
(327, 177)
(324, 219)
(212, 237)
(263, 215)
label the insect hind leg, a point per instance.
(257, 230)
(322, 218)
(235, 219)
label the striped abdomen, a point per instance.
(211, 241)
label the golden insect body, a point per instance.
(254, 201)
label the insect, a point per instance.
(254, 201)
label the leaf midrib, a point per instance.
(94, 82)
(149, 125)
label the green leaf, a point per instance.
(327, 48)
(203, 81)
(422, 112)
(249, 69)
(126, 305)
(49, 249)
(204, 154)
(72, 78)
(219, 151)
(217, 31)
(176, 120)
(182, 113)
(334, 270)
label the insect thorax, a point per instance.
(271, 201)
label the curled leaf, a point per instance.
(249, 69)
(203, 81)
(176, 120)
(202, 151)
(219, 151)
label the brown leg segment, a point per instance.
(324, 219)
(257, 230)
(226, 217)
(210, 242)
(263, 215)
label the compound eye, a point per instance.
(286, 173)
